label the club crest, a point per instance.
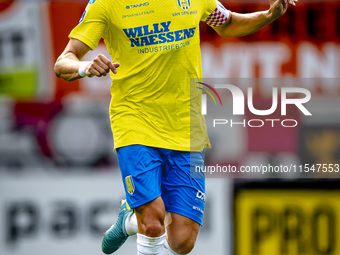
(184, 4)
(130, 186)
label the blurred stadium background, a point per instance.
(59, 180)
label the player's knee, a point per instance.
(154, 224)
(151, 222)
(154, 229)
(184, 246)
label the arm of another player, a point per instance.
(69, 65)
(245, 24)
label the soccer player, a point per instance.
(155, 48)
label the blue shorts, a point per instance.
(150, 172)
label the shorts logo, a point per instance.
(198, 209)
(130, 186)
(200, 195)
(184, 4)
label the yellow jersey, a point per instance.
(157, 44)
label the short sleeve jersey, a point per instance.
(158, 46)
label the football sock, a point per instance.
(131, 225)
(150, 245)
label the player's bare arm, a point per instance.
(245, 24)
(70, 67)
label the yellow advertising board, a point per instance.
(287, 222)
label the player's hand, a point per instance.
(279, 7)
(100, 66)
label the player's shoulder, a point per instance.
(99, 2)
(99, 5)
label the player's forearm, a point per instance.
(245, 24)
(66, 67)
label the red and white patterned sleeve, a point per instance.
(218, 17)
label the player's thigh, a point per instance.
(182, 194)
(141, 169)
(182, 233)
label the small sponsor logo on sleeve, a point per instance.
(82, 17)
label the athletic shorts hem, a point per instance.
(144, 201)
(184, 213)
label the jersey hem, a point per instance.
(176, 148)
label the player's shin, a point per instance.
(167, 246)
(150, 245)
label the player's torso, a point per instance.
(157, 44)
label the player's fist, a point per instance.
(279, 7)
(100, 66)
